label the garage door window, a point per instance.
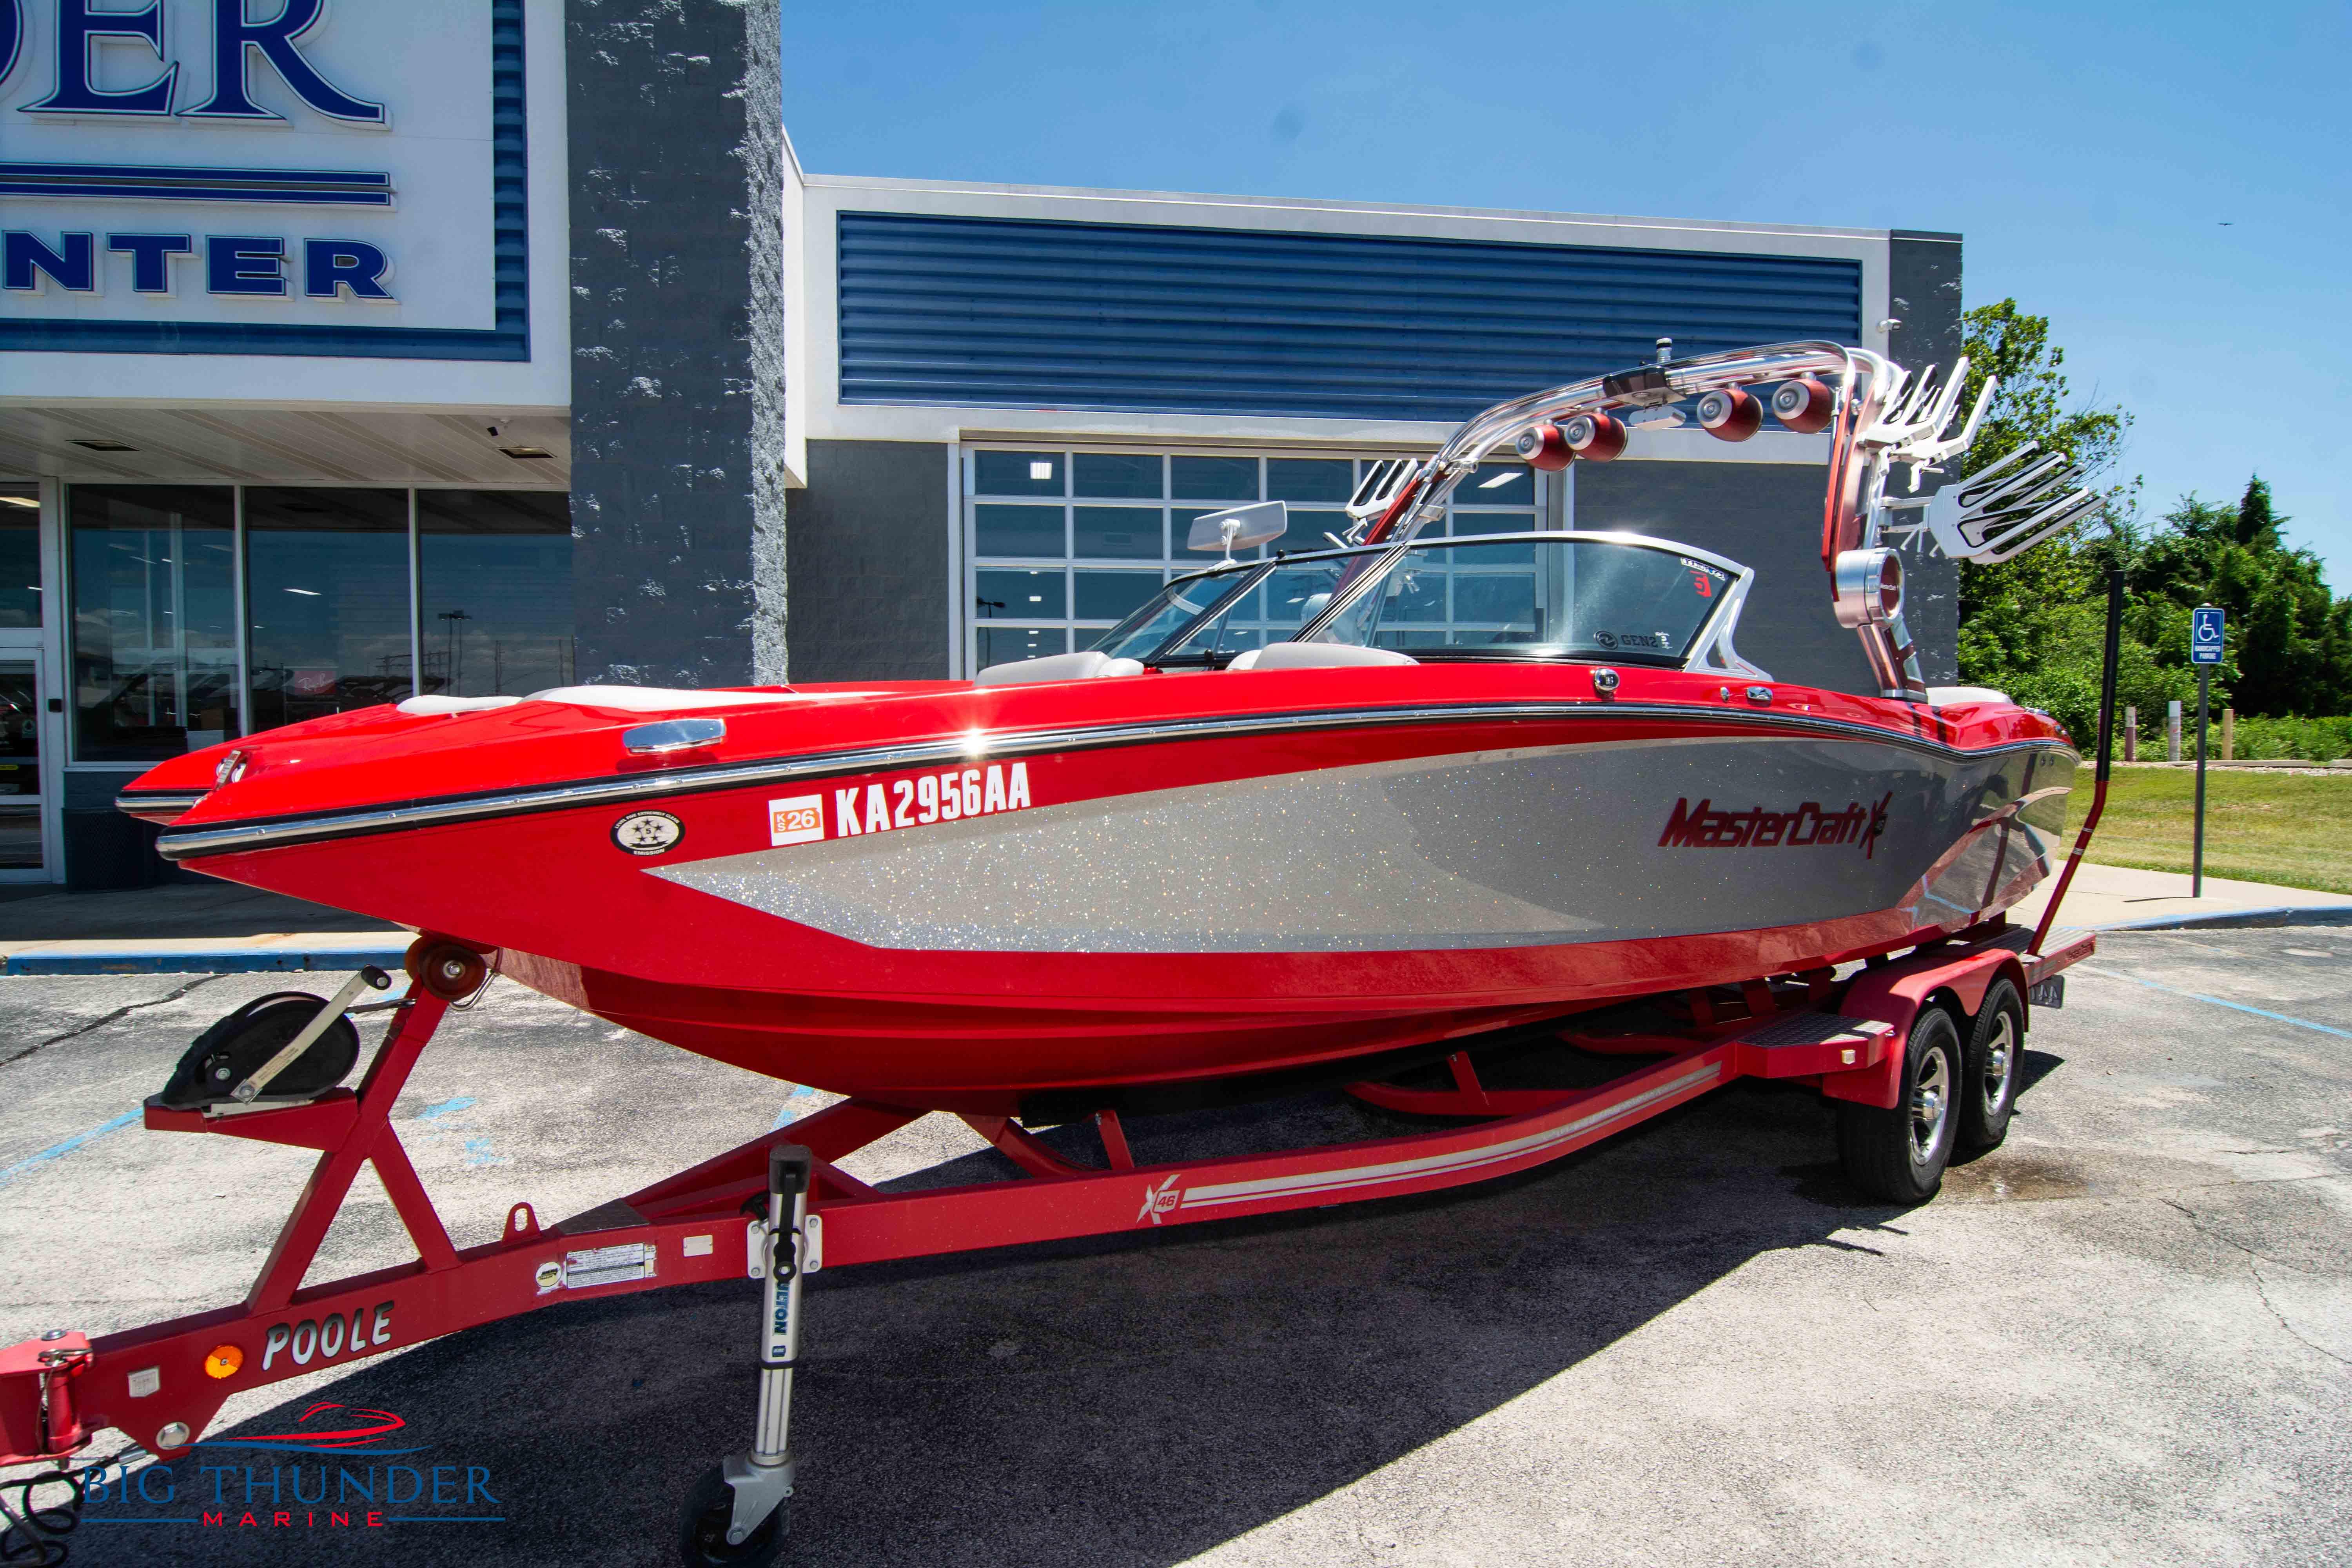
(1060, 545)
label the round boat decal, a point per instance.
(648, 832)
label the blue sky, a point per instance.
(2167, 182)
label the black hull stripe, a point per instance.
(268, 833)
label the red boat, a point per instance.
(1323, 819)
(1460, 783)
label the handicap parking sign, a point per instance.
(2205, 635)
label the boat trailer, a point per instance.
(779, 1207)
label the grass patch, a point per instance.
(2291, 830)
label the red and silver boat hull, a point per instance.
(1043, 901)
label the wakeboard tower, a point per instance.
(1339, 818)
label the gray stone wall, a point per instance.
(869, 563)
(1923, 282)
(1764, 515)
(666, 388)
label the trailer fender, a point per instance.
(1895, 993)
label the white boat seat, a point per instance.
(1091, 665)
(1951, 696)
(1317, 655)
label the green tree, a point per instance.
(2290, 644)
(2032, 625)
(2034, 403)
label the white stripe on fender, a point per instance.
(1395, 1171)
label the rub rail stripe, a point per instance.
(355, 822)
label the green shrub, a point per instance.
(2317, 740)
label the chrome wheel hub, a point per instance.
(1930, 1103)
(2001, 1056)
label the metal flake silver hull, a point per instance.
(1505, 848)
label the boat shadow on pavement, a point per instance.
(1120, 1403)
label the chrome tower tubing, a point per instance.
(1869, 388)
(1481, 433)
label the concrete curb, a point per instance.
(100, 958)
(2272, 916)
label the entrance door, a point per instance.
(21, 836)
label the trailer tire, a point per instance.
(1899, 1155)
(1989, 1069)
(702, 1528)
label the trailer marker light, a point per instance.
(223, 1360)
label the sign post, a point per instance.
(2205, 627)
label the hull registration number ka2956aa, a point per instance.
(915, 800)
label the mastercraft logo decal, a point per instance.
(1809, 826)
(335, 1468)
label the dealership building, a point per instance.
(480, 346)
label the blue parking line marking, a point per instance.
(58, 1151)
(2218, 1002)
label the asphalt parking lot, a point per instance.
(2123, 1338)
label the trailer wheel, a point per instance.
(1899, 1155)
(702, 1528)
(1990, 1069)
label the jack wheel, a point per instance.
(1989, 1067)
(702, 1528)
(1898, 1155)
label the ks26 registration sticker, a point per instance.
(947, 795)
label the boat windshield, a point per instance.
(1170, 610)
(1626, 600)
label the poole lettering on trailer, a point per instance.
(368, 1327)
(1808, 827)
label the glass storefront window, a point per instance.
(327, 594)
(495, 572)
(20, 766)
(1003, 645)
(154, 620)
(20, 555)
(330, 622)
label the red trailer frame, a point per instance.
(163, 1385)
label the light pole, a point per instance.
(456, 643)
